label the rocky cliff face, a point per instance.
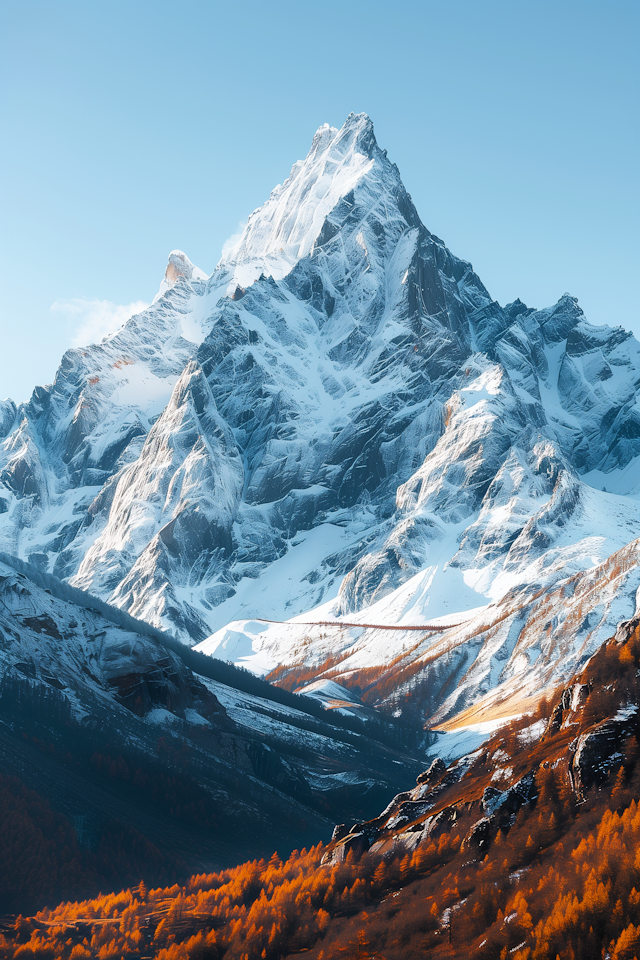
(586, 735)
(341, 416)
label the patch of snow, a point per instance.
(624, 713)
(329, 690)
(194, 717)
(273, 240)
(532, 733)
(160, 716)
(502, 773)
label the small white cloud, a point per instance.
(90, 321)
(228, 247)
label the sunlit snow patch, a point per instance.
(453, 744)
(333, 696)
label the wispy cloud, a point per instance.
(233, 241)
(89, 321)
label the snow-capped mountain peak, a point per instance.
(286, 227)
(341, 424)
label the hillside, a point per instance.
(527, 848)
(118, 759)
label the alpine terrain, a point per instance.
(284, 552)
(340, 427)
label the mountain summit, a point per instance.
(340, 425)
(288, 225)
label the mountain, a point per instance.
(340, 426)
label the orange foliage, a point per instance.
(560, 880)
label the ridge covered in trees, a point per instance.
(561, 878)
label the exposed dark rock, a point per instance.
(479, 837)
(43, 624)
(435, 771)
(598, 751)
(508, 802)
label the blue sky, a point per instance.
(134, 128)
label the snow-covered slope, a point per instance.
(286, 228)
(340, 424)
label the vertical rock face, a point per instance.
(340, 414)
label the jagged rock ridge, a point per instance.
(342, 416)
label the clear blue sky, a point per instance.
(132, 128)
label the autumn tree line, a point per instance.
(544, 890)
(560, 881)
